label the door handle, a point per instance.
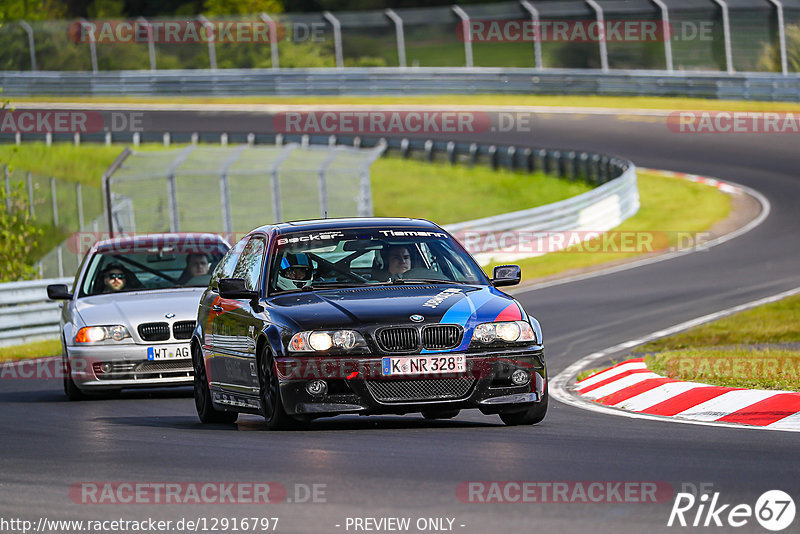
(216, 308)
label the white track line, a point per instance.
(559, 384)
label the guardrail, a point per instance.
(402, 81)
(26, 314)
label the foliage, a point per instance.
(771, 55)
(18, 235)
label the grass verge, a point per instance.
(725, 353)
(616, 102)
(670, 207)
(36, 349)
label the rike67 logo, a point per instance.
(774, 510)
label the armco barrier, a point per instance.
(400, 81)
(27, 315)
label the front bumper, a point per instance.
(109, 367)
(355, 387)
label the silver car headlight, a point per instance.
(95, 334)
(504, 331)
(322, 340)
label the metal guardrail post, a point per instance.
(273, 39)
(667, 32)
(211, 35)
(31, 44)
(726, 31)
(79, 200)
(537, 41)
(601, 34)
(54, 200)
(30, 195)
(401, 39)
(337, 38)
(151, 46)
(467, 35)
(781, 36)
(92, 42)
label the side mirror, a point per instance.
(58, 292)
(506, 275)
(234, 288)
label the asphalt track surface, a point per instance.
(409, 467)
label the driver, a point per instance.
(296, 272)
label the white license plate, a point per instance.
(418, 365)
(167, 352)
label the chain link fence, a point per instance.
(707, 35)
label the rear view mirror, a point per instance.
(58, 292)
(506, 275)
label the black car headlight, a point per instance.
(504, 332)
(323, 340)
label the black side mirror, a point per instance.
(506, 275)
(58, 292)
(234, 288)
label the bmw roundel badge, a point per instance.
(417, 318)
(169, 315)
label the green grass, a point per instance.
(447, 193)
(741, 368)
(667, 205)
(777, 322)
(615, 102)
(715, 352)
(85, 163)
(36, 349)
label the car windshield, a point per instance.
(316, 260)
(121, 270)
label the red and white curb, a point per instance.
(725, 187)
(631, 386)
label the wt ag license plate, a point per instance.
(167, 352)
(416, 365)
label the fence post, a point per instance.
(31, 47)
(30, 195)
(781, 36)
(401, 38)
(60, 257)
(210, 34)
(337, 38)
(273, 40)
(224, 189)
(92, 43)
(537, 42)
(277, 211)
(322, 182)
(667, 32)
(8, 188)
(151, 48)
(79, 197)
(726, 33)
(55, 201)
(467, 35)
(602, 36)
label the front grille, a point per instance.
(444, 336)
(154, 331)
(420, 390)
(124, 370)
(398, 339)
(183, 329)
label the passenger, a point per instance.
(196, 265)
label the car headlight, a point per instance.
(320, 341)
(95, 334)
(504, 331)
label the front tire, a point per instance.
(269, 390)
(202, 394)
(531, 416)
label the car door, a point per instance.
(237, 324)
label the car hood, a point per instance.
(370, 306)
(131, 309)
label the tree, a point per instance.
(18, 235)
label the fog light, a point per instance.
(520, 377)
(105, 367)
(317, 387)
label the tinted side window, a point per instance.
(225, 266)
(249, 266)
